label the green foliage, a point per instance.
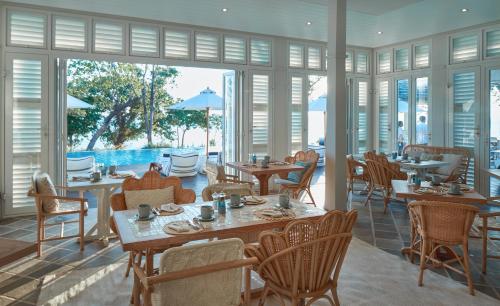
(80, 123)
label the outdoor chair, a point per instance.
(152, 189)
(381, 176)
(216, 174)
(80, 166)
(202, 274)
(353, 166)
(488, 222)
(50, 206)
(443, 225)
(299, 181)
(227, 188)
(293, 263)
(182, 165)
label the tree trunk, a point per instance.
(144, 103)
(149, 128)
(116, 110)
(183, 134)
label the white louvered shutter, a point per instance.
(422, 56)
(27, 29)
(206, 47)
(493, 43)
(384, 62)
(260, 52)
(348, 62)
(177, 44)
(109, 37)
(465, 48)
(70, 33)
(314, 57)
(401, 59)
(260, 114)
(465, 108)
(361, 62)
(235, 49)
(384, 113)
(144, 40)
(296, 56)
(362, 119)
(296, 113)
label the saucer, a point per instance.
(151, 216)
(205, 220)
(237, 206)
(455, 193)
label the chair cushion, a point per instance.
(44, 186)
(296, 176)
(73, 206)
(284, 182)
(153, 197)
(453, 161)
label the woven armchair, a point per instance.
(381, 176)
(443, 225)
(150, 180)
(352, 175)
(293, 262)
(304, 184)
(489, 222)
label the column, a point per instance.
(336, 109)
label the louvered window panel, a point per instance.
(108, 37)
(384, 122)
(314, 58)
(207, 47)
(422, 55)
(362, 107)
(26, 127)
(361, 62)
(296, 56)
(296, 127)
(493, 43)
(348, 62)
(384, 62)
(70, 33)
(177, 44)
(465, 48)
(260, 52)
(422, 99)
(144, 41)
(260, 114)
(235, 50)
(27, 29)
(401, 59)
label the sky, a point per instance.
(191, 81)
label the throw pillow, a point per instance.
(296, 176)
(153, 197)
(453, 161)
(44, 186)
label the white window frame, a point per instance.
(87, 34)
(394, 56)
(145, 25)
(306, 51)
(219, 46)
(391, 97)
(391, 61)
(249, 51)
(305, 108)
(245, 39)
(124, 39)
(355, 61)
(485, 42)
(47, 30)
(462, 34)
(303, 46)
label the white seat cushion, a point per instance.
(153, 197)
(284, 182)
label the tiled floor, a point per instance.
(20, 283)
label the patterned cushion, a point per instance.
(153, 197)
(296, 176)
(44, 186)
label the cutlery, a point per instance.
(155, 211)
(195, 227)
(197, 222)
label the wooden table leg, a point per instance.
(264, 183)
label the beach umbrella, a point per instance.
(319, 105)
(207, 100)
(72, 102)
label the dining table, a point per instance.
(150, 237)
(263, 174)
(102, 190)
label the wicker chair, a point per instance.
(352, 175)
(304, 184)
(216, 174)
(67, 206)
(197, 275)
(443, 225)
(304, 260)
(381, 176)
(489, 222)
(227, 188)
(151, 180)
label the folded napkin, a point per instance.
(253, 199)
(180, 227)
(272, 213)
(170, 207)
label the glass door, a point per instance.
(26, 128)
(298, 110)
(493, 141)
(464, 112)
(384, 126)
(422, 111)
(403, 114)
(259, 113)
(360, 116)
(230, 128)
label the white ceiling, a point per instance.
(399, 20)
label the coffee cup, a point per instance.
(112, 170)
(454, 188)
(144, 211)
(96, 176)
(235, 199)
(417, 159)
(405, 156)
(265, 163)
(206, 212)
(284, 200)
(436, 180)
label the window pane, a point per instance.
(260, 117)
(260, 52)
(494, 123)
(235, 49)
(422, 56)
(108, 37)
(27, 29)
(403, 119)
(348, 62)
(361, 62)
(422, 113)
(296, 114)
(362, 117)
(144, 40)
(314, 58)
(493, 43)
(177, 44)
(384, 62)
(207, 46)
(401, 59)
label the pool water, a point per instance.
(129, 157)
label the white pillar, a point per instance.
(336, 109)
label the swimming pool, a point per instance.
(129, 157)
